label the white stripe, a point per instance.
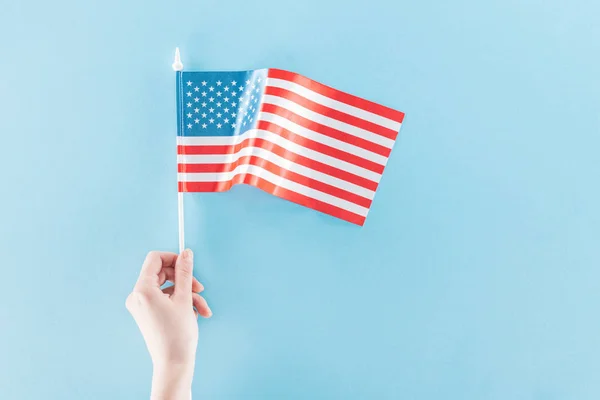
(335, 104)
(326, 140)
(276, 180)
(273, 138)
(285, 164)
(327, 121)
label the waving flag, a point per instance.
(285, 134)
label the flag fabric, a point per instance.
(285, 134)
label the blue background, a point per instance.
(477, 273)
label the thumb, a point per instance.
(184, 267)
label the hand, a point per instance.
(167, 320)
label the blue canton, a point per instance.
(219, 103)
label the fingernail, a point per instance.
(209, 312)
(187, 254)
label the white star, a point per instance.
(211, 121)
(252, 97)
(244, 123)
(189, 126)
(219, 115)
(204, 126)
(233, 83)
(241, 88)
(226, 120)
(248, 82)
(189, 104)
(255, 100)
(234, 93)
(203, 83)
(250, 119)
(211, 99)
(189, 94)
(203, 115)
(226, 99)
(197, 121)
(226, 109)
(233, 125)
(233, 115)
(189, 115)
(196, 89)
(211, 89)
(196, 99)
(233, 104)
(257, 89)
(189, 83)
(246, 112)
(258, 80)
(203, 104)
(219, 94)
(253, 86)
(226, 88)
(219, 83)
(196, 110)
(211, 110)
(219, 126)
(219, 104)
(203, 94)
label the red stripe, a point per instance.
(331, 113)
(276, 191)
(326, 130)
(335, 94)
(280, 151)
(320, 147)
(279, 171)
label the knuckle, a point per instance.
(137, 299)
(130, 302)
(185, 271)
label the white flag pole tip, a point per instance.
(177, 65)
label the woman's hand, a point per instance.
(167, 320)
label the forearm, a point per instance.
(172, 382)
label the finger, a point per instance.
(184, 267)
(197, 287)
(201, 305)
(154, 263)
(168, 274)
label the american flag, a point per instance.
(285, 134)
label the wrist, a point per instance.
(172, 381)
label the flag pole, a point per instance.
(178, 67)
